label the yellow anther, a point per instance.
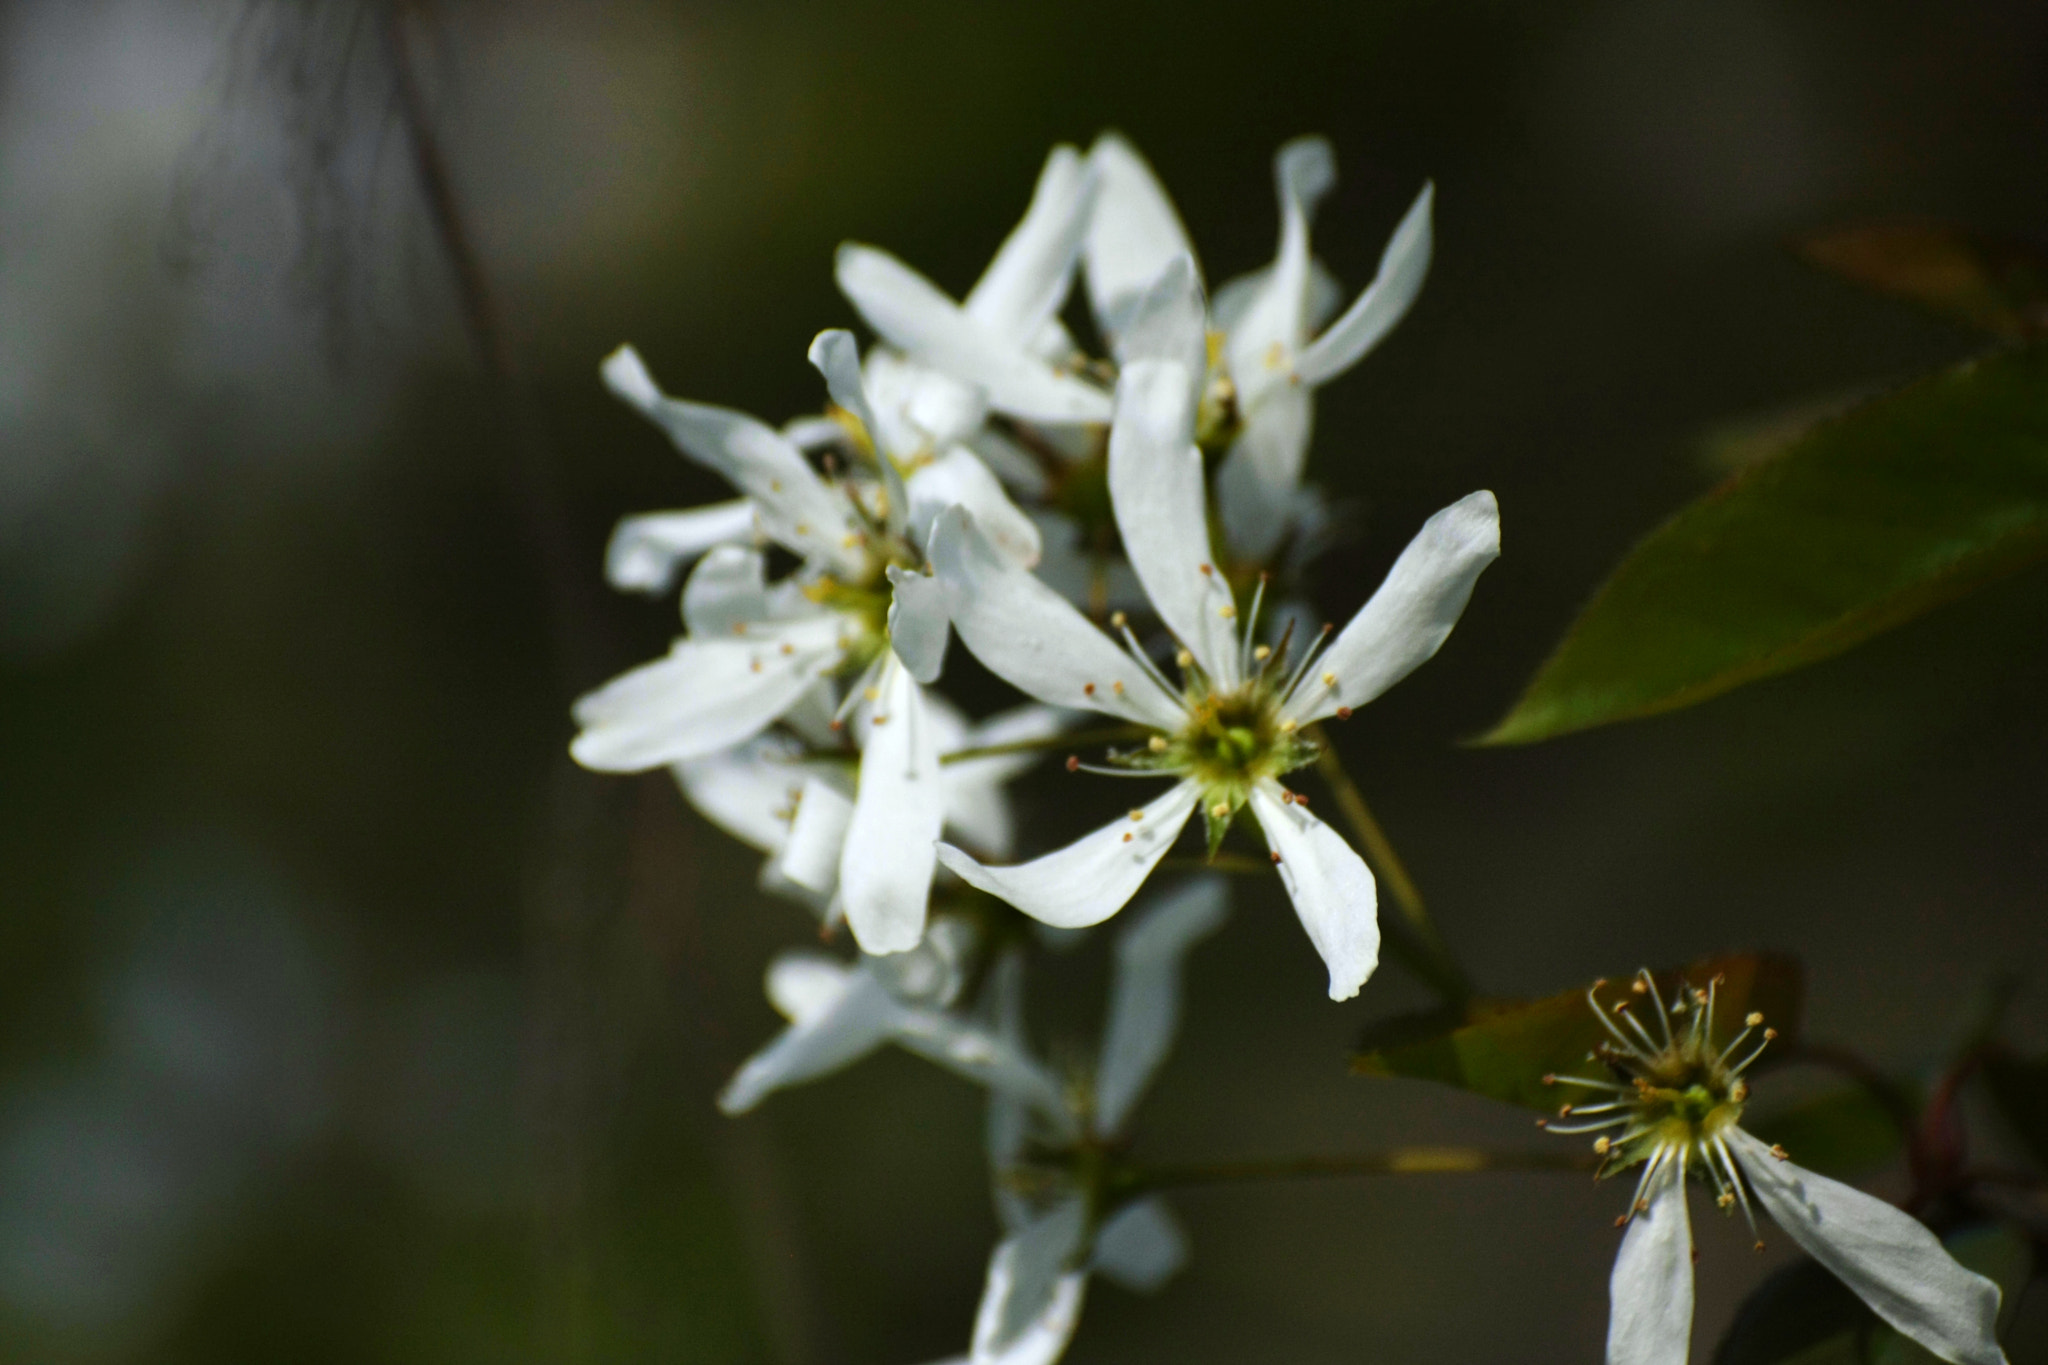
(803, 528)
(1770, 1034)
(1726, 1200)
(1289, 726)
(1183, 658)
(1127, 836)
(1779, 1152)
(1753, 1019)
(788, 648)
(881, 720)
(848, 542)
(1262, 652)
(1226, 611)
(1119, 620)
(1329, 679)
(1157, 744)
(1221, 810)
(1117, 688)
(1137, 815)
(1603, 1144)
(871, 694)
(1276, 356)
(774, 485)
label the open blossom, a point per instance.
(1233, 727)
(1672, 1102)
(856, 611)
(1272, 348)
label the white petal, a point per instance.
(1274, 327)
(1890, 1259)
(1325, 296)
(918, 626)
(1403, 267)
(747, 791)
(836, 356)
(910, 313)
(646, 552)
(725, 590)
(1410, 616)
(1032, 638)
(977, 809)
(1141, 1247)
(958, 479)
(816, 433)
(817, 837)
(846, 1029)
(885, 874)
(804, 984)
(705, 696)
(1155, 486)
(1171, 322)
(1257, 486)
(797, 509)
(1332, 888)
(1027, 281)
(1650, 1292)
(1032, 1299)
(1132, 234)
(1092, 878)
(1144, 1004)
(980, 1056)
(919, 409)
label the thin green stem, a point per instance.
(1428, 955)
(1236, 864)
(1394, 1161)
(1072, 739)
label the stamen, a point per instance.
(1157, 744)
(1590, 1085)
(1307, 657)
(1720, 1149)
(1144, 660)
(1073, 763)
(1251, 626)
(1221, 810)
(1260, 653)
(1628, 1015)
(1601, 1014)
(1648, 985)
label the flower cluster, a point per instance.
(1123, 533)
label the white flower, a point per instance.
(1232, 729)
(1273, 347)
(1674, 1103)
(1038, 1274)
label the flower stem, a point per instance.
(1071, 739)
(1394, 1161)
(1424, 952)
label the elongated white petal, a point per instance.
(647, 552)
(1092, 878)
(796, 508)
(1332, 888)
(836, 356)
(885, 874)
(748, 791)
(1260, 479)
(1171, 322)
(1032, 1298)
(1410, 616)
(1028, 280)
(706, 695)
(918, 408)
(1890, 1259)
(1325, 296)
(832, 1030)
(1144, 1002)
(804, 983)
(910, 313)
(1034, 639)
(918, 626)
(1141, 1247)
(958, 479)
(1404, 265)
(725, 593)
(817, 837)
(1274, 327)
(981, 1056)
(1650, 1293)
(1155, 486)
(1132, 234)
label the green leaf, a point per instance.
(1992, 283)
(1504, 1048)
(1864, 522)
(2019, 1086)
(1840, 1134)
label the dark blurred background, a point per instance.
(341, 1021)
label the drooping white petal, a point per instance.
(1171, 322)
(706, 695)
(1092, 878)
(1144, 1003)
(1026, 283)
(1227, 308)
(804, 983)
(747, 791)
(1155, 486)
(836, 356)
(958, 479)
(1031, 1301)
(1890, 1259)
(725, 593)
(910, 313)
(977, 809)
(817, 837)
(796, 509)
(1411, 615)
(918, 626)
(1650, 1292)
(1274, 327)
(647, 552)
(885, 873)
(1404, 265)
(918, 408)
(1141, 1247)
(1330, 885)
(831, 1029)
(1132, 234)
(1032, 638)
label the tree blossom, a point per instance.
(1271, 348)
(1672, 1103)
(1233, 727)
